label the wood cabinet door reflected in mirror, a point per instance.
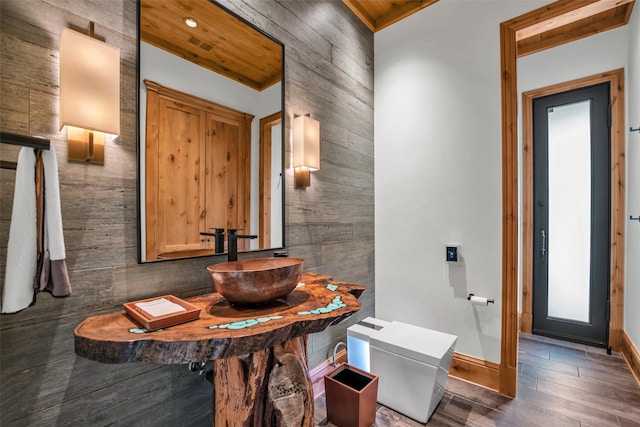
(197, 172)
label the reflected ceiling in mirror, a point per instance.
(210, 121)
(219, 41)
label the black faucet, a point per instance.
(219, 239)
(232, 243)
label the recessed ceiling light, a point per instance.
(191, 23)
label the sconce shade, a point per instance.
(89, 83)
(306, 143)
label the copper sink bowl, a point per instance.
(256, 281)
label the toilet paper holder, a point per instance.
(480, 300)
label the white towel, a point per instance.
(54, 277)
(54, 238)
(18, 290)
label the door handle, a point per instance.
(543, 243)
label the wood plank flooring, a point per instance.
(559, 384)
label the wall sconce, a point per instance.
(306, 149)
(89, 93)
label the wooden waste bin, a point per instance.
(351, 396)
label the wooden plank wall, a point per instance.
(329, 73)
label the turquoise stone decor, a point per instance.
(241, 324)
(142, 330)
(335, 304)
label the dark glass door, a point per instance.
(571, 159)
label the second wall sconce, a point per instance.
(89, 93)
(306, 149)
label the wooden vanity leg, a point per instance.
(267, 388)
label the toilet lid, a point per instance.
(365, 328)
(414, 342)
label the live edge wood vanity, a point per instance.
(260, 374)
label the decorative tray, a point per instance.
(161, 312)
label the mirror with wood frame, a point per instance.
(211, 140)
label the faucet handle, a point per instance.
(233, 232)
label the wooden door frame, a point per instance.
(615, 79)
(509, 99)
(264, 174)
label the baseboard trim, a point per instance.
(631, 354)
(317, 374)
(467, 368)
(476, 371)
(525, 323)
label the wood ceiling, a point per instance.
(228, 46)
(220, 42)
(378, 14)
(583, 18)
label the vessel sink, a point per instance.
(256, 281)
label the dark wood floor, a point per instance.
(559, 384)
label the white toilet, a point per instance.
(412, 363)
(358, 341)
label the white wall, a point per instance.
(632, 262)
(438, 169)
(169, 70)
(585, 57)
(277, 181)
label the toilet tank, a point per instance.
(417, 343)
(358, 337)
